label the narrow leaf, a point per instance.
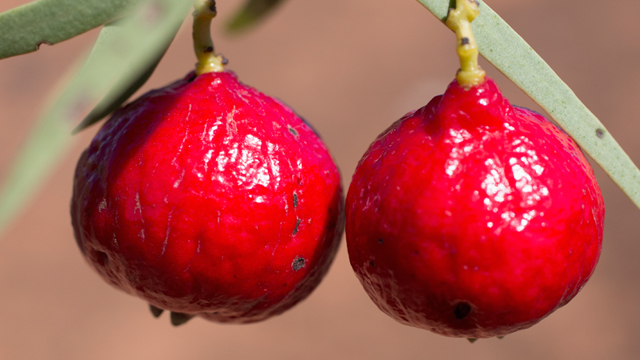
(124, 53)
(117, 96)
(510, 54)
(23, 29)
(250, 13)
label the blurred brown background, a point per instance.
(351, 67)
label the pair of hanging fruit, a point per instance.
(468, 217)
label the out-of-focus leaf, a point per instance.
(510, 54)
(250, 13)
(23, 29)
(116, 97)
(124, 53)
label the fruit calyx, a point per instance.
(208, 61)
(481, 105)
(459, 20)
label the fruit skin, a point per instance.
(473, 218)
(209, 198)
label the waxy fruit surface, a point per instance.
(473, 218)
(209, 198)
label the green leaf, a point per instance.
(24, 28)
(251, 12)
(119, 94)
(112, 103)
(510, 54)
(123, 56)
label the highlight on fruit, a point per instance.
(471, 217)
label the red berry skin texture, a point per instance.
(473, 218)
(209, 198)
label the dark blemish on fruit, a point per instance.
(298, 263)
(213, 8)
(285, 285)
(472, 340)
(380, 241)
(208, 49)
(155, 311)
(215, 313)
(102, 258)
(464, 41)
(293, 131)
(295, 230)
(372, 263)
(462, 310)
(295, 200)
(599, 133)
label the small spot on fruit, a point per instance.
(472, 340)
(293, 131)
(464, 41)
(380, 241)
(372, 263)
(599, 133)
(295, 230)
(295, 200)
(102, 258)
(462, 310)
(298, 263)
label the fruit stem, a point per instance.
(208, 61)
(459, 20)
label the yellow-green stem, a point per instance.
(459, 20)
(208, 61)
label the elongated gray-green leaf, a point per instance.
(119, 94)
(251, 13)
(124, 52)
(510, 54)
(24, 28)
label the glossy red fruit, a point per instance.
(473, 218)
(209, 198)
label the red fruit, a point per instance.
(473, 218)
(209, 198)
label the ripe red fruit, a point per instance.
(473, 218)
(209, 198)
